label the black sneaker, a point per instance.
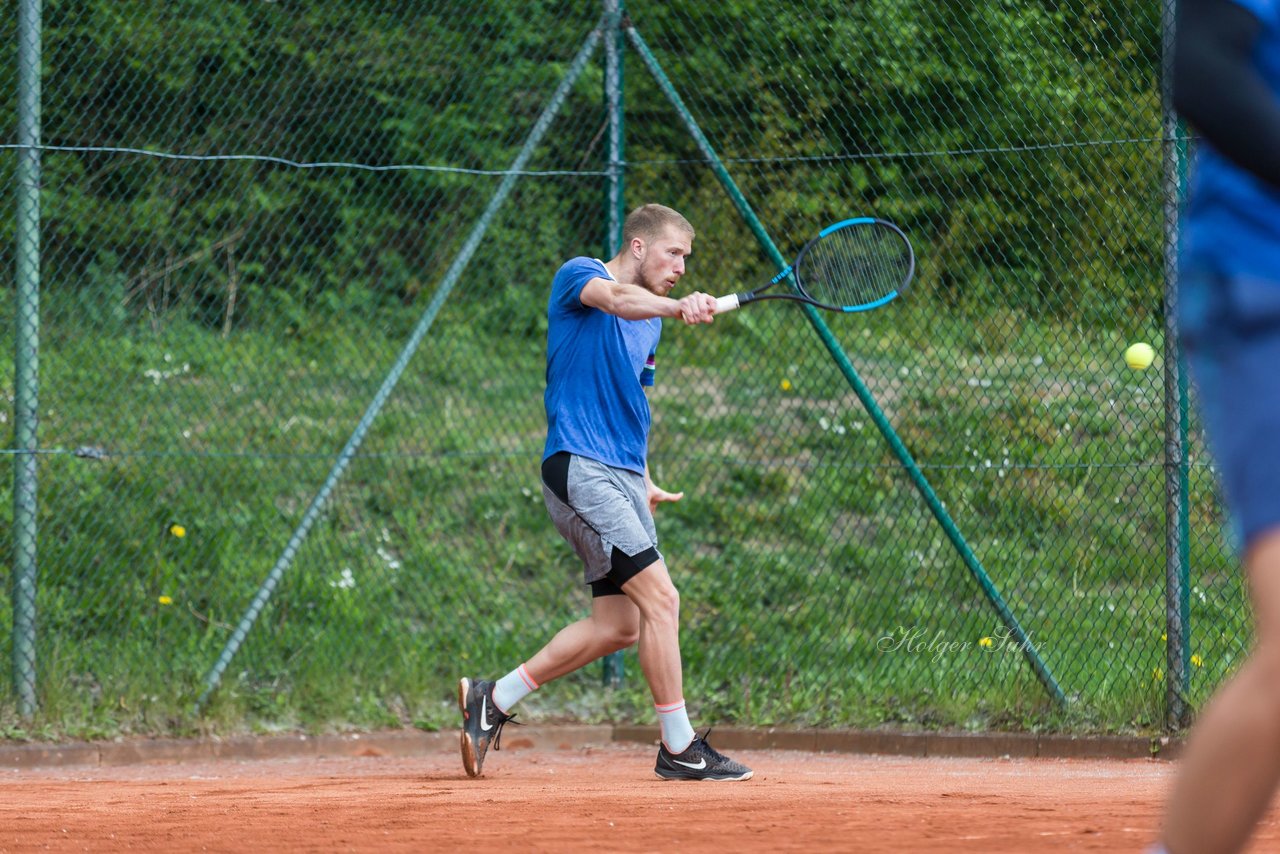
(700, 761)
(481, 723)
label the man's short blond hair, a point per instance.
(649, 222)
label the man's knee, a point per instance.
(616, 621)
(654, 594)
(667, 600)
(620, 637)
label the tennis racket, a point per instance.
(854, 265)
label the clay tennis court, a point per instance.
(599, 798)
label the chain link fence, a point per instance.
(292, 267)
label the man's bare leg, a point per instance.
(614, 624)
(659, 606)
(1232, 766)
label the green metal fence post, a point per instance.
(27, 337)
(1177, 524)
(451, 277)
(846, 367)
(615, 205)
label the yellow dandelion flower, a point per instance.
(166, 600)
(785, 384)
(1157, 675)
(178, 531)
(1197, 661)
(987, 642)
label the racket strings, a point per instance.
(855, 266)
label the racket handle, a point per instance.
(726, 303)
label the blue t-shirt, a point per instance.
(1233, 219)
(597, 366)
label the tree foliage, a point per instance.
(1019, 142)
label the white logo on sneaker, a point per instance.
(484, 716)
(698, 766)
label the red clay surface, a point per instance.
(599, 799)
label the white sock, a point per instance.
(512, 688)
(677, 732)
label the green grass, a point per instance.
(805, 555)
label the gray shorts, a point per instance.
(608, 508)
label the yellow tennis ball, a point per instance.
(1139, 356)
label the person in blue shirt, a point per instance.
(1226, 84)
(604, 323)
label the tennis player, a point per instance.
(1226, 84)
(604, 321)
